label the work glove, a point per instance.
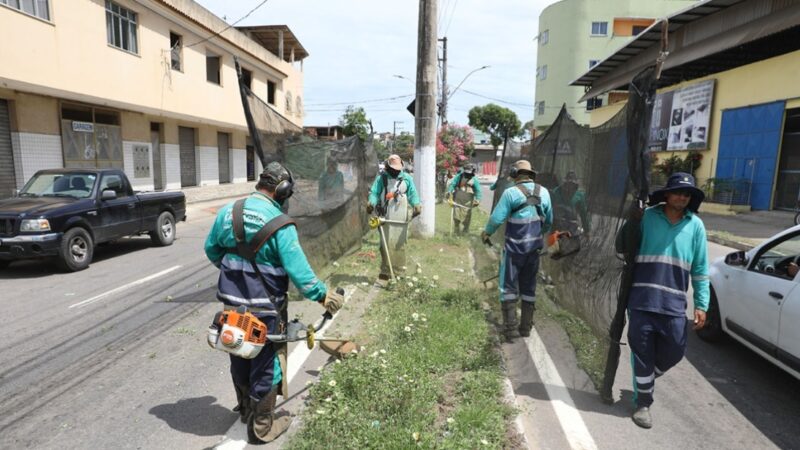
(370, 208)
(333, 301)
(485, 238)
(476, 203)
(417, 211)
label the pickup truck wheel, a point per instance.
(713, 331)
(76, 250)
(164, 233)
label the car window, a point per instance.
(115, 183)
(780, 258)
(77, 185)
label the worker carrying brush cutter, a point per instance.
(256, 248)
(392, 193)
(672, 252)
(463, 194)
(526, 208)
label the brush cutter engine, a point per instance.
(237, 332)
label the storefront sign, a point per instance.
(681, 118)
(83, 127)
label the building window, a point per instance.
(637, 29)
(289, 100)
(599, 28)
(38, 8)
(544, 37)
(212, 69)
(121, 27)
(175, 49)
(594, 103)
(247, 78)
(593, 62)
(299, 108)
(540, 108)
(541, 72)
(271, 92)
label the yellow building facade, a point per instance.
(148, 86)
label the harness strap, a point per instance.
(534, 199)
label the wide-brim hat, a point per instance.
(395, 162)
(524, 166)
(679, 181)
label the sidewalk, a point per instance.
(744, 231)
(197, 194)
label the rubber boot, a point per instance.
(510, 320)
(526, 319)
(242, 402)
(262, 427)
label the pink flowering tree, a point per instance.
(454, 144)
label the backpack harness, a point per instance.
(531, 199)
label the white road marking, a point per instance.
(236, 437)
(568, 416)
(99, 297)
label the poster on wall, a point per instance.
(681, 118)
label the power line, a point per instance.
(229, 26)
(355, 102)
(452, 14)
(497, 99)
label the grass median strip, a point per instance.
(430, 374)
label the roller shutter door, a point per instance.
(7, 178)
(224, 160)
(188, 164)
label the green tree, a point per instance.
(404, 146)
(495, 121)
(354, 122)
(381, 149)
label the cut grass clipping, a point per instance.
(430, 378)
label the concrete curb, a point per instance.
(729, 242)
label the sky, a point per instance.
(357, 47)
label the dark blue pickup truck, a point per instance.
(66, 212)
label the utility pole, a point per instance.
(443, 106)
(394, 132)
(425, 117)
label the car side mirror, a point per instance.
(736, 259)
(108, 194)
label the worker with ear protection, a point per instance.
(464, 190)
(261, 284)
(392, 193)
(528, 214)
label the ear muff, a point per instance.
(285, 188)
(514, 172)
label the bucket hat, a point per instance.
(676, 182)
(395, 162)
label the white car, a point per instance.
(755, 300)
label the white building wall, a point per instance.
(238, 165)
(207, 165)
(172, 166)
(34, 152)
(142, 183)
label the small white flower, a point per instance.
(319, 369)
(374, 354)
(417, 291)
(383, 352)
(309, 383)
(424, 319)
(484, 442)
(436, 278)
(328, 400)
(410, 284)
(332, 383)
(415, 435)
(450, 420)
(339, 361)
(320, 411)
(335, 264)
(408, 329)
(414, 279)
(364, 283)
(415, 316)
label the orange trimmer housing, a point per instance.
(255, 331)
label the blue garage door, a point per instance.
(748, 148)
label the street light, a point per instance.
(465, 79)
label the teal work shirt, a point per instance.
(577, 203)
(376, 192)
(282, 250)
(474, 182)
(512, 198)
(669, 256)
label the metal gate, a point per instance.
(188, 166)
(748, 149)
(158, 178)
(224, 159)
(7, 178)
(787, 189)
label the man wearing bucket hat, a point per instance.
(672, 251)
(528, 211)
(391, 194)
(465, 191)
